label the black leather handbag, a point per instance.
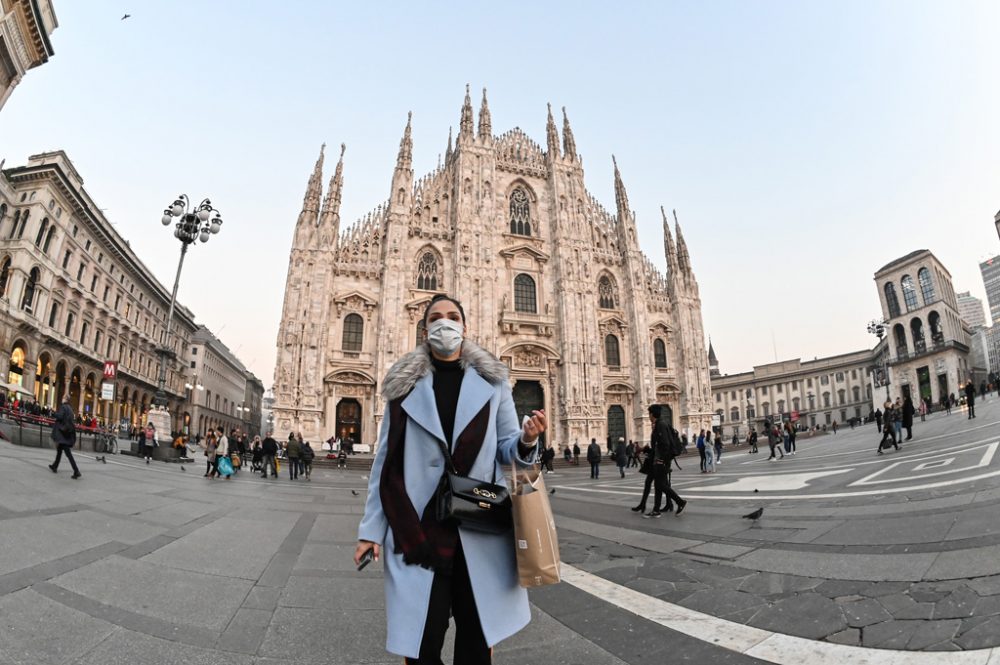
(472, 504)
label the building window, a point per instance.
(29, 290)
(926, 285)
(856, 390)
(824, 380)
(70, 320)
(48, 238)
(54, 315)
(826, 400)
(41, 232)
(607, 293)
(909, 293)
(840, 377)
(751, 412)
(4, 277)
(795, 404)
(734, 414)
(612, 356)
(766, 409)
(107, 289)
(79, 271)
(24, 223)
(891, 301)
(84, 329)
(194, 350)
(781, 406)
(427, 273)
(718, 397)
(841, 396)
(524, 294)
(763, 390)
(854, 374)
(659, 354)
(809, 383)
(520, 213)
(66, 259)
(795, 385)
(780, 388)
(354, 332)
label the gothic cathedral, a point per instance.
(552, 283)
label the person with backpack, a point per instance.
(294, 452)
(308, 454)
(666, 445)
(64, 436)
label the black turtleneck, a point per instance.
(448, 376)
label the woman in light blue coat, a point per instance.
(446, 391)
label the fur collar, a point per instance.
(416, 364)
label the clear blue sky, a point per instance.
(804, 145)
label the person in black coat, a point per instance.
(64, 435)
(594, 458)
(970, 399)
(662, 442)
(878, 420)
(908, 412)
(269, 448)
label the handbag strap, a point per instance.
(450, 463)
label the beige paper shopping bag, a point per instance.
(534, 530)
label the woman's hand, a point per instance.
(534, 426)
(364, 546)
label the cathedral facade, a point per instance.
(552, 283)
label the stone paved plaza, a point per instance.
(889, 555)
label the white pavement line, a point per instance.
(758, 643)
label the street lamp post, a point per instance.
(193, 224)
(877, 327)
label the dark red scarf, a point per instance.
(423, 540)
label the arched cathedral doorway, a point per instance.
(528, 396)
(349, 420)
(616, 425)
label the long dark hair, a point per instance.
(438, 298)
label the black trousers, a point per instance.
(972, 409)
(702, 459)
(451, 595)
(645, 490)
(68, 451)
(888, 432)
(661, 478)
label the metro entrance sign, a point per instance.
(110, 370)
(108, 386)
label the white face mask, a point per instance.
(445, 336)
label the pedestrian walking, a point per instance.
(294, 452)
(256, 455)
(567, 454)
(752, 442)
(629, 453)
(576, 453)
(718, 449)
(773, 440)
(878, 420)
(646, 468)
(594, 458)
(889, 431)
(666, 444)
(923, 409)
(269, 452)
(548, 454)
(211, 445)
(700, 445)
(907, 417)
(621, 457)
(897, 419)
(789, 438)
(436, 570)
(64, 436)
(221, 451)
(147, 441)
(970, 399)
(307, 456)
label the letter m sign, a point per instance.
(110, 370)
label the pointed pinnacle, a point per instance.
(569, 143)
(551, 135)
(465, 125)
(485, 120)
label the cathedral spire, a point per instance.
(668, 246)
(552, 136)
(465, 126)
(310, 204)
(621, 197)
(405, 158)
(683, 258)
(485, 121)
(330, 214)
(569, 143)
(447, 152)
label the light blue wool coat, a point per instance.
(501, 602)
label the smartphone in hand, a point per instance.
(366, 559)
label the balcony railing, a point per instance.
(923, 349)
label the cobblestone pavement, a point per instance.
(149, 564)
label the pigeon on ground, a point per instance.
(182, 468)
(100, 459)
(755, 515)
(552, 491)
(354, 492)
(756, 490)
(126, 16)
